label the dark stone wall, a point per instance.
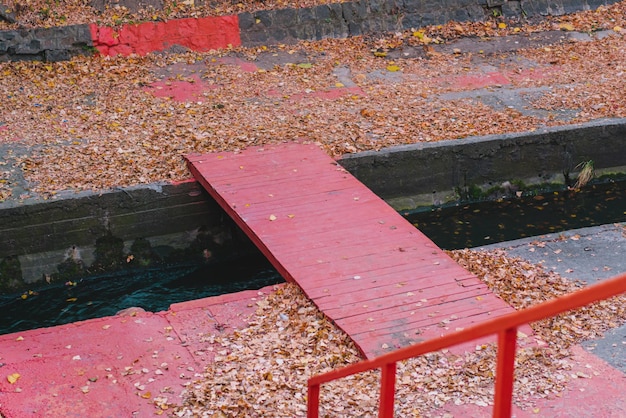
(45, 44)
(130, 228)
(543, 156)
(371, 16)
(337, 20)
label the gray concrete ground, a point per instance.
(587, 254)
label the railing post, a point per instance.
(387, 390)
(505, 369)
(313, 402)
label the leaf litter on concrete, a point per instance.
(43, 13)
(95, 123)
(262, 370)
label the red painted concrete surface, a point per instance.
(597, 391)
(120, 366)
(197, 34)
(480, 80)
(125, 366)
(191, 90)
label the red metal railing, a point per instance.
(506, 328)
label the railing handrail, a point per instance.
(501, 325)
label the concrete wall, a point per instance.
(45, 44)
(369, 16)
(426, 173)
(129, 228)
(268, 26)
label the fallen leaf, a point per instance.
(12, 378)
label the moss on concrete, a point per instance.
(109, 254)
(10, 274)
(142, 254)
(71, 267)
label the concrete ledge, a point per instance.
(433, 173)
(266, 27)
(88, 233)
(45, 44)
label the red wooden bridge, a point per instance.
(368, 269)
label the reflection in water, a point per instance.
(473, 225)
(153, 290)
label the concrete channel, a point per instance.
(77, 233)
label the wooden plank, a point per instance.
(410, 311)
(359, 261)
(382, 341)
(411, 295)
(347, 282)
(414, 317)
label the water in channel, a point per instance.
(482, 223)
(153, 290)
(456, 226)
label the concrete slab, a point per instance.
(102, 367)
(135, 364)
(589, 255)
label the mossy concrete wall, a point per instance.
(90, 233)
(433, 173)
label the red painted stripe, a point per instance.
(197, 34)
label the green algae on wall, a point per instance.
(10, 274)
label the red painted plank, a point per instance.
(384, 341)
(426, 278)
(365, 266)
(415, 293)
(394, 275)
(410, 312)
(433, 327)
(413, 316)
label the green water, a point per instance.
(482, 223)
(457, 226)
(153, 290)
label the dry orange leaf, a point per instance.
(12, 378)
